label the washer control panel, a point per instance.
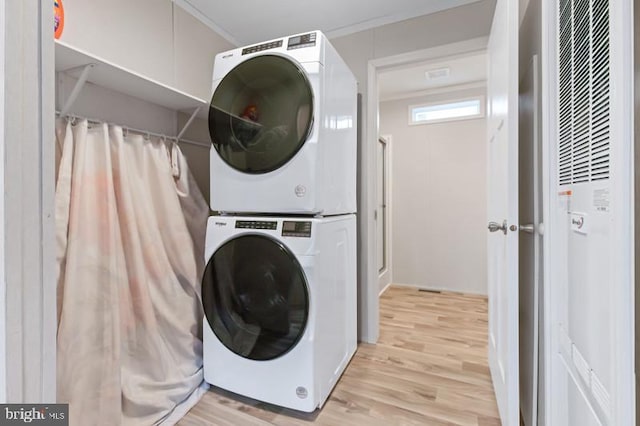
(298, 42)
(296, 229)
(254, 224)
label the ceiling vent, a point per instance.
(438, 73)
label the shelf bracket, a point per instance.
(76, 89)
(188, 123)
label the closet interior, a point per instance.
(131, 205)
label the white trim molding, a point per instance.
(480, 85)
(622, 155)
(386, 275)
(29, 264)
(548, 123)
(3, 287)
(434, 54)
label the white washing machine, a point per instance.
(282, 121)
(279, 296)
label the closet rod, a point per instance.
(138, 131)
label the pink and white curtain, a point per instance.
(130, 235)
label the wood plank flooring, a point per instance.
(428, 368)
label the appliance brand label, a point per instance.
(579, 223)
(220, 223)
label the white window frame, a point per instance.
(479, 98)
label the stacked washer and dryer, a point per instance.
(279, 290)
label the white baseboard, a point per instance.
(435, 288)
(386, 287)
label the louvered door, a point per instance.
(588, 232)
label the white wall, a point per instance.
(449, 26)
(114, 107)
(155, 38)
(438, 192)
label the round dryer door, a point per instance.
(261, 114)
(255, 297)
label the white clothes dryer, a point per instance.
(279, 296)
(282, 121)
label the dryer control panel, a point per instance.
(301, 41)
(296, 229)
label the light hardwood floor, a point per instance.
(428, 368)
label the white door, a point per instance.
(382, 213)
(589, 265)
(502, 182)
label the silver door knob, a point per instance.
(495, 227)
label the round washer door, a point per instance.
(261, 114)
(255, 297)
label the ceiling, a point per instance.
(253, 21)
(408, 81)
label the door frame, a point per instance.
(369, 303)
(538, 235)
(386, 275)
(27, 262)
(622, 279)
(3, 287)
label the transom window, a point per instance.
(446, 111)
